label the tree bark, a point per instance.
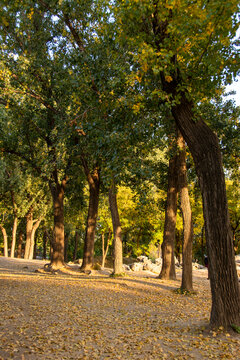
(19, 248)
(66, 241)
(29, 225)
(32, 238)
(187, 283)
(206, 153)
(105, 251)
(117, 231)
(57, 256)
(5, 242)
(93, 179)
(168, 263)
(14, 234)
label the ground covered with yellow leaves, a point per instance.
(61, 316)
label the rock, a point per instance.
(158, 261)
(143, 258)
(156, 268)
(148, 266)
(136, 266)
(126, 267)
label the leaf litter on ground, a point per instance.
(66, 316)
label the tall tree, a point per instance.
(177, 44)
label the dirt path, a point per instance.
(45, 316)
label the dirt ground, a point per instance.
(74, 316)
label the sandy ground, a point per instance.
(44, 316)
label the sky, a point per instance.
(236, 87)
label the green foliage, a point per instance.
(236, 328)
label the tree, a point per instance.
(177, 44)
(117, 232)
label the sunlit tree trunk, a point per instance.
(5, 241)
(105, 251)
(14, 234)
(29, 225)
(32, 240)
(187, 283)
(117, 232)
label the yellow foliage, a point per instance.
(168, 78)
(30, 15)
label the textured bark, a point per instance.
(94, 188)
(205, 150)
(105, 251)
(117, 231)
(29, 225)
(57, 256)
(32, 238)
(187, 283)
(5, 241)
(19, 247)
(168, 264)
(14, 234)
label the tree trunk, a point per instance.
(104, 252)
(14, 234)
(94, 188)
(187, 283)
(117, 231)
(57, 257)
(75, 245)
(168, 264)
(45, 237)
(202, 244)
(206, 153)
(19, 248)
(32, 239)
(29, 225)
(66, 240)
(5, 242)
(15, 223)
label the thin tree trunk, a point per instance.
(117, 231)
(14, 234)
(187, 283)
(202, 244)
(105, 251)
(5, 241)
(57, 257)
(206, 153)
(45, 237)
(32, 239)
(66, 240)
(19, 248)
(75, 245)
(15, 224)
(168, 264)
(29, 225)
(94, 188)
